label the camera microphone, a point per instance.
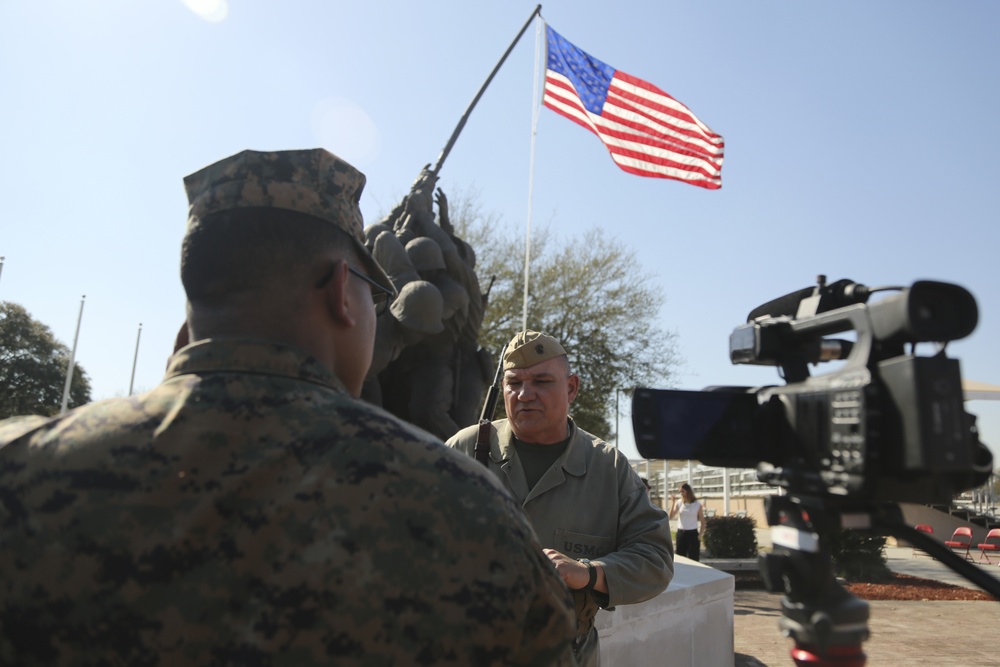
(814, 300)
(782, 306)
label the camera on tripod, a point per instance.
(887, 425)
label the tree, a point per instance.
(33, 367)
(589, 292)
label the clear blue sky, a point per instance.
(861, 142)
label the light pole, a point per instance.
(72, 359)
(135, 359)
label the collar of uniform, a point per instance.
(251, 356)
(574, 459)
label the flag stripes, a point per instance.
(647, 131)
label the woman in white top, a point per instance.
(691, 517)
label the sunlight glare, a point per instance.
(214, 11)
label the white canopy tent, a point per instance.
(980, 391)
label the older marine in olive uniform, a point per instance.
(609, 543)
(250, 510)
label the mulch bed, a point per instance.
(901, 587)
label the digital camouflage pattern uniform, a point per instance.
(249, 511)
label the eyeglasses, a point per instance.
(380, 295)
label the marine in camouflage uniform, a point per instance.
(250, 510)
(589, 508)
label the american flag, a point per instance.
(647, 131)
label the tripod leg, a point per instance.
(827, 623)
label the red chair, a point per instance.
(961, 540)
(923, 528)
(988, 546)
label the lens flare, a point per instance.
(213, 11)
(344, 128)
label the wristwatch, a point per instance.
(593, 574)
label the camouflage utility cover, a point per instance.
(248, 511)
(315, 182)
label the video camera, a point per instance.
(886, 426)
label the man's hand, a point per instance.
(575, 574)
(408, 227)
(443, 218)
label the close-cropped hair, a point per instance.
(239, 251)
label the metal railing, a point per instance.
(666, 477)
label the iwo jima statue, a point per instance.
(428, 367)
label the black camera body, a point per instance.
(887, 425)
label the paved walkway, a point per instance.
(914, 634)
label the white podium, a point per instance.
(688, 625)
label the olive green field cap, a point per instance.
(314, 182)
(529, 348)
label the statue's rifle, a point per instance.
(482, 450)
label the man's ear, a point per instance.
(337, 296)
(183, 337)
(574, 386)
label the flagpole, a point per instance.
(535, 108)
(617, 414)
(135, 358)
(72, 358)
(465, 116)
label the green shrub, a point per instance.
(859, 556)
(730, 537)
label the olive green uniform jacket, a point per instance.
(589, 504)
(249, 511)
